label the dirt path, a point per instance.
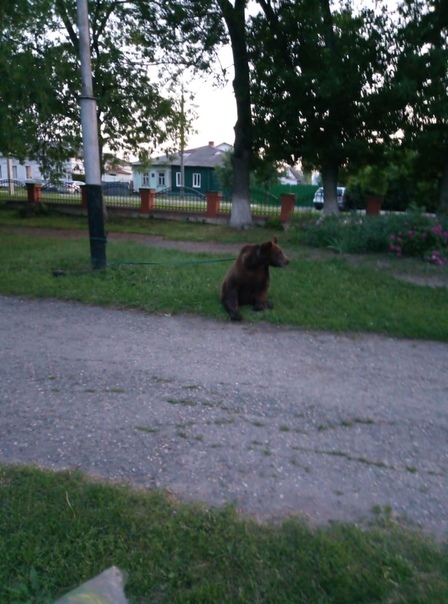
(279, 421)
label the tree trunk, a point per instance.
(330, 171)
(443, 191)
(234, 17)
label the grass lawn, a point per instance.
(329, 293)
(58, 530)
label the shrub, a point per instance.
(410, 234)
(353, 234)
(421, 235)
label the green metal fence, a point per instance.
(181, 199)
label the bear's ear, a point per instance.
(274, 239)
(266, 247)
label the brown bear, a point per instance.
(247, 280)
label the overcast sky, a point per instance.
(215, 107)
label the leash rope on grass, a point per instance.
(63, 273)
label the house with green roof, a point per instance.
(164, 172)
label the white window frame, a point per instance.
(14, 172)
(196, 180)
(178, 179)
(29, 172)
(145, 179)
(161, 179)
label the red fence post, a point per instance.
(34, 192)
(213, 202)
(83, 196)
(288, 200)
(373, 205)
(147, 200)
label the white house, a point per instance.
(30, 169)
(291, 176)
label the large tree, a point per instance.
(422, 76)
(318, 84)
(137, 47)
(23, 84)
(235, 18)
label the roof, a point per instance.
(208, 156)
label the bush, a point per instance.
(421, 235)
(411, 234)
(353, 234)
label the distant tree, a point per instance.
(263, 175)
(137, 48)
(224, 172)
(319, 85)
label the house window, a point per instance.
(14, 172)
(0, 171)
(29, 172)
(145, 179)
(161, 179)
(196, 180)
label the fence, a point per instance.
(172, 203)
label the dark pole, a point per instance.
(90, 145)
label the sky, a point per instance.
(215, 108)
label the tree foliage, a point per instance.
(319, 81)
(138, 48)
(422, 75)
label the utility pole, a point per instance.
(10, 175)
(182, 140)
(89, 125)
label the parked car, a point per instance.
(318, 200)
(69, 186)
(73, 186)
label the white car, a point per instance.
(318, 200)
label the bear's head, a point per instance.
(271, 254)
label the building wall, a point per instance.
(199, 179)
(30, 169)
(154, 177)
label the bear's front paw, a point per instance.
(258, 306)
(235, 316)
(269, 305)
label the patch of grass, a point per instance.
(147, 429)
(179, 553)
(356, 298)
(224, 421)
(182, 401)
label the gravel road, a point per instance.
(278, 421)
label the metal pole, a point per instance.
(182, 141)
(10, 176)
(89, 125)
